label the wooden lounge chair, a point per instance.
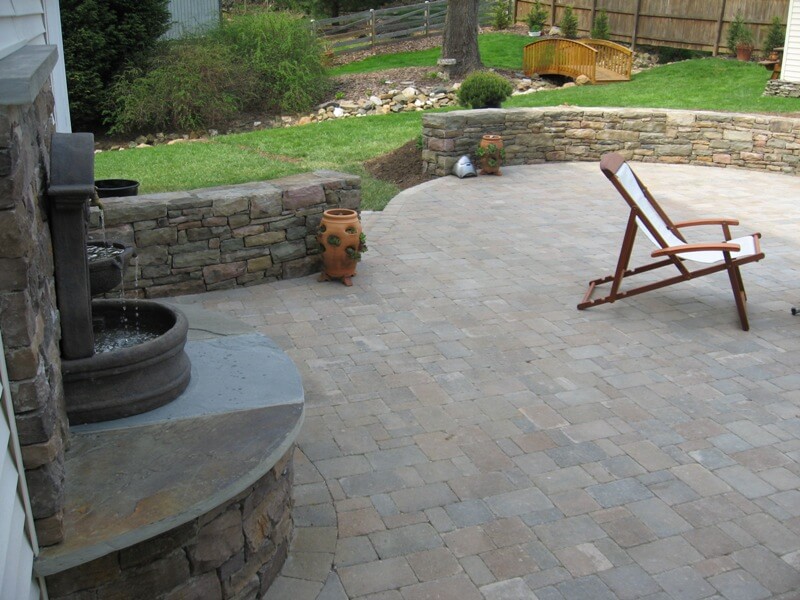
(672, 247)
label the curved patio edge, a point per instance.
(537, 135)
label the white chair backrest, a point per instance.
(628, 181)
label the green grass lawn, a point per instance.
(260, 155)
(498, 51)
(344, 145)
(699, 84)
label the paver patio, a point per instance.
(470, 434)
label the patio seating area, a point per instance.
(471, 435)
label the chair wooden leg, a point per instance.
(739, 295)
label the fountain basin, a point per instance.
(131, 380)
(107, 262)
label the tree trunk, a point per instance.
(460, 42)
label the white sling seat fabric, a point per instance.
(628, 181)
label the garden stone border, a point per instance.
(537, 135)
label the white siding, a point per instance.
(192, 16)
(52, 20)
(17, 537)
(791, 53)
(21, 22)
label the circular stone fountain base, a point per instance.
(130, 380)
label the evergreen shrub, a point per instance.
(569, 23)
(102, 38)
(484, 89)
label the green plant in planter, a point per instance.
(334, 240)
(490, 150)
(536, 17)
(569, 23)
(600, 27)
(354, 253)
(739, 34)
(776, 35)
(484, 89)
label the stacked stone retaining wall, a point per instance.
(218, 238)
(782, 88)
(234, 551)
(28, 315)
(536, 135)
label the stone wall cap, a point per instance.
(25, 72)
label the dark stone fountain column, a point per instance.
(71, 188)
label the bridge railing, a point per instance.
(558, 56)
(612, 56)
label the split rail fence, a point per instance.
(370, 28)
(692, 24)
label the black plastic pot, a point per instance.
(109, 188)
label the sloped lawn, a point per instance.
(344, 145)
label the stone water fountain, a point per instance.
(148, 366)
(178, 475)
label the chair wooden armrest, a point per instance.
(697, 222)
(673, 250)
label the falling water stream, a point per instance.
(125, 333)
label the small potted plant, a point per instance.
(740, 38)
(775, 38)
(341, 242)
(491, 154)
(535, 19)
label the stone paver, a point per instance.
(470, 434)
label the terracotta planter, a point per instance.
(491, 154)
(340, 238)
(744, 52)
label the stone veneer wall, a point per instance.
(234, 551)
(218, 238)
(28, 314)
(535, 135)
(782, 88)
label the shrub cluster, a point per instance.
(101, 39)
(266, 61)
(484, 89)
(189, 85)
(286, 55)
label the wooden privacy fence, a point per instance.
(370, 28)
(693, 24)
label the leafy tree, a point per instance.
(101, 39)
(460, 39)
(600, 27)
(569, 23)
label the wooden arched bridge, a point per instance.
(600, 60)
